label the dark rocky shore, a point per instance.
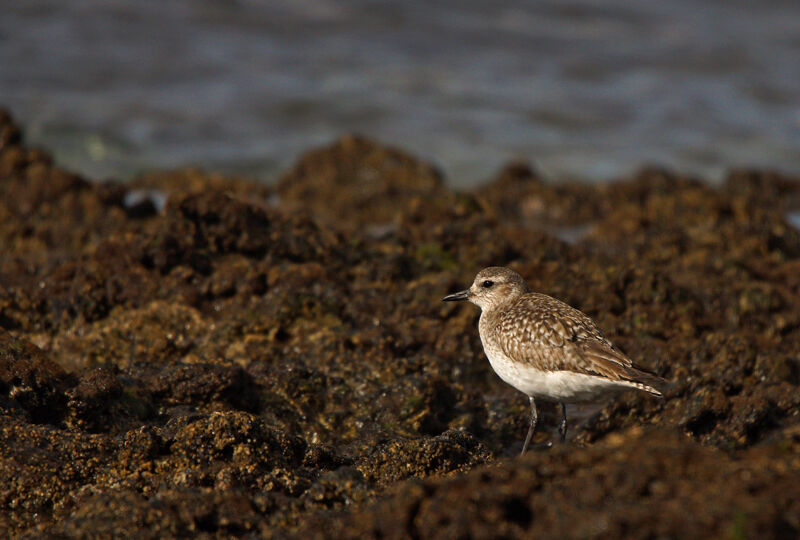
(275, 362)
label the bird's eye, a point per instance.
(488, 283)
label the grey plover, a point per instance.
(547, 349)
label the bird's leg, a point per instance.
(532, 428)
(562, 427)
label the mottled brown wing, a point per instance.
(543, 331)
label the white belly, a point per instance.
(561, 386)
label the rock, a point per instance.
(356, 176)
(30, 380)
(250, 361)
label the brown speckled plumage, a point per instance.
(550, 335)
(547, 349)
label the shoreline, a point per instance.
(240, 359)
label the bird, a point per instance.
(547, 349)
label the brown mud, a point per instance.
(275, 362)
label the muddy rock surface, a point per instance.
(197, 355)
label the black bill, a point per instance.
(463, 295)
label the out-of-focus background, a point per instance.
(587, 89)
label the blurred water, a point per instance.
(588, 89)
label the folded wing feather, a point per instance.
(558, 337)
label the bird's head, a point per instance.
(492, 287)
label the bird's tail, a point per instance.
(646, 382)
